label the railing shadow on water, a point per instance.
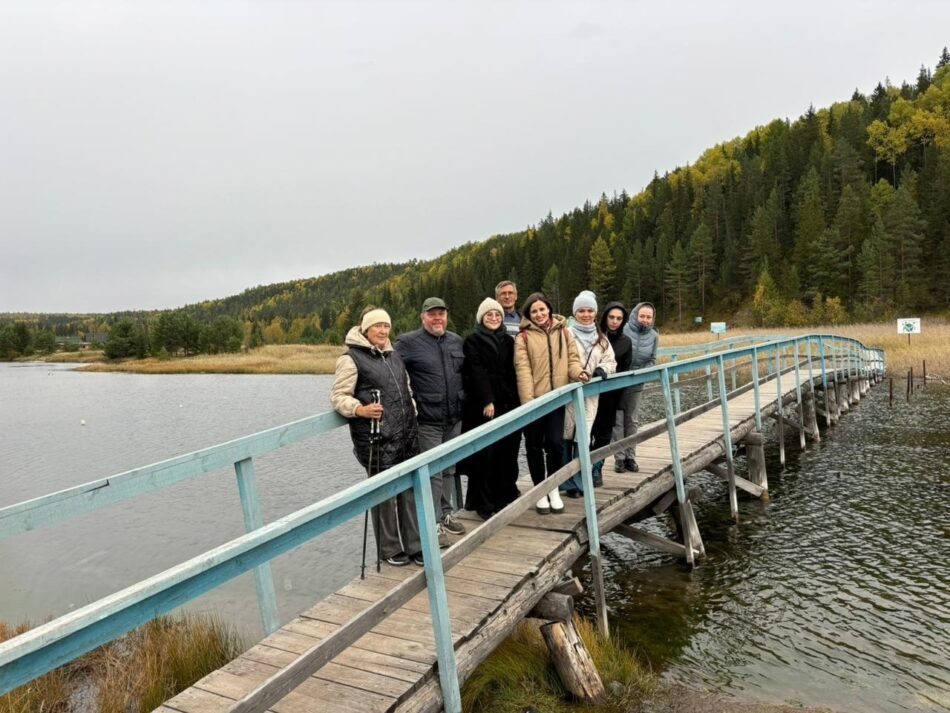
(57, 642)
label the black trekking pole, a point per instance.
(374, 438)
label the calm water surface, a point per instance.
(132, 420)
(835, 593)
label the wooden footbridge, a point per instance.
(404, 639)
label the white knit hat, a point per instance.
(488, 304)
(586, 298)
(375, 316)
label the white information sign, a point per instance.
(717, 327)
(908, 325)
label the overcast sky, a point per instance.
(154, 154)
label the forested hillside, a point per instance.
(841, 214)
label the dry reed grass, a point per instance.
(270, 359)
(135, 673)
(519, 675)
(931, 345)
(87, 356)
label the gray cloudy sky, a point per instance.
(154, 154)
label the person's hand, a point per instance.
(370, 411)
(489, 411)
(600, 373)
(584, 377)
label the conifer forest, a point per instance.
(842, 214)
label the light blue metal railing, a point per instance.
(50, 645)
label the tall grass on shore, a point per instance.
(137, 672)
(932, 344)
(519, 675)
(270, 359)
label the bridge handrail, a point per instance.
(47, 646)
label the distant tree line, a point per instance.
(840, 215)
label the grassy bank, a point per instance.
(933, 345)
(137, 672)
(271, 359)
(518, 677)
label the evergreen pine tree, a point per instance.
(601, 271)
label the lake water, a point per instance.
(835, 593)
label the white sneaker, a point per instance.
(543, 507)
(557, 505)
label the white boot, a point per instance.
(543, 507)
(557, 505)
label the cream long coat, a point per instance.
(601, 355)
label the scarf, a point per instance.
(586, 338)
(493, 337)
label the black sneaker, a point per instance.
(398, 560)
(619, 466)
(631, 465)
(417, 558)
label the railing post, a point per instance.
(676, 390)
(435, 586)
(755, 389)
(824, 380)
(727, 442)
(582, 436)
(677, 465)
(798, 396)
(779, 410)
(253, 519)
(709, 386)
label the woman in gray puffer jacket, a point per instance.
(644, 340)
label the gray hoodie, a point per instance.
(645, 340)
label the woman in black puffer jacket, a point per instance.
(612, 320)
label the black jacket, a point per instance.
(435, 369)
(488, 376)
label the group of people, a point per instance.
(431, 385)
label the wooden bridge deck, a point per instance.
(392, 667)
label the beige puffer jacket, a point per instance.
(545, 361)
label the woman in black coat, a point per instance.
(491, 390)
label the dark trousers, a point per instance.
(544, 438)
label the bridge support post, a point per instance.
(855, 390)
(755, 457)
(809, 415)
(779, 402)
(844, 398)
(831, 403)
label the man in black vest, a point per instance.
(433, 357)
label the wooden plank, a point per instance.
(648, 538)
(196, 700)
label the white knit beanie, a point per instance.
(488, 304)
(585, 299)
(375, 316)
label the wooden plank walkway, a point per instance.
(392, 667)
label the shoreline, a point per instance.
(932, 346)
